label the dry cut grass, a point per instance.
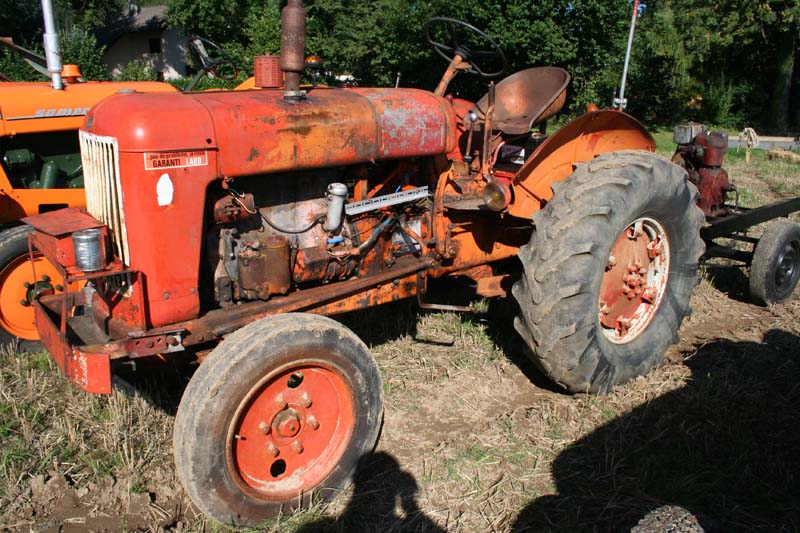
(474, 439)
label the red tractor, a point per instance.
(228, 226)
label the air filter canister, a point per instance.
(90, 249)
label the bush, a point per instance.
(136, 70)
(15, 68)
(722, 105)
(81, 48)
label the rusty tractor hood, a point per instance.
(257, 132)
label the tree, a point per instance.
(730, 62)
(81, 48)
(221, 22)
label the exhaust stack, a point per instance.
(293, 47)
(52, 51)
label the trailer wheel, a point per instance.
(775, 269)
(609, 270)
(16, 270)
(278, 414)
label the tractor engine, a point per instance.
(701, 153)
(264, 240)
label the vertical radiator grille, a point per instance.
(100, 159)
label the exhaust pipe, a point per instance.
(52, 51)
(293, 47)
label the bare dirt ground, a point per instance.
(474, 438)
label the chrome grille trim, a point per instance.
(100, 160)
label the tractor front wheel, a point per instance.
(279, 413)
(17, 283)
(609, 270)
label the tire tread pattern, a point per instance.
(567, 253)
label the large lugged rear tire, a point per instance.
(609, 270)
(278, 414)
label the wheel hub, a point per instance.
(634, 281)
(18, 288)
(787, 269)
(286, 423)
(291, 431)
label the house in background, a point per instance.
(142, 34)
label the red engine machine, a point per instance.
(702, 153)
(773, 258)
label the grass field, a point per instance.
(474, 438)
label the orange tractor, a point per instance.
(228, 225)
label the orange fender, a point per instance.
(581, 140)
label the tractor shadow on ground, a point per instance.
(723, 447)
(730, 280)
(384, 499)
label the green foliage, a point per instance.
(207, 83)
(20, 19)
(81, 48)
(219, 21)
(88, 14)
(720, 103)
(262, 27)
(732, 62)
(13, 66)
(136, 70)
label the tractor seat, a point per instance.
(525, 99)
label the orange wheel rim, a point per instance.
(635, 280)
(291, 430)
(16, 318)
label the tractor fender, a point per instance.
(587, 136)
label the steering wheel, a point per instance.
(221, 66)
(451, 28)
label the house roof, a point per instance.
(139, 19)
(148, 18)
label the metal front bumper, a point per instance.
(89, 371)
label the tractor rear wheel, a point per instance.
(279, 413)
(17, 283)
(609, 270)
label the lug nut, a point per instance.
(264, 427)
(312, 422)
(45, 278)
(305, 400)
(24, 303)
(27, 285)
(297, 447)
(273, 450)
(649, 294)
(280, 402)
